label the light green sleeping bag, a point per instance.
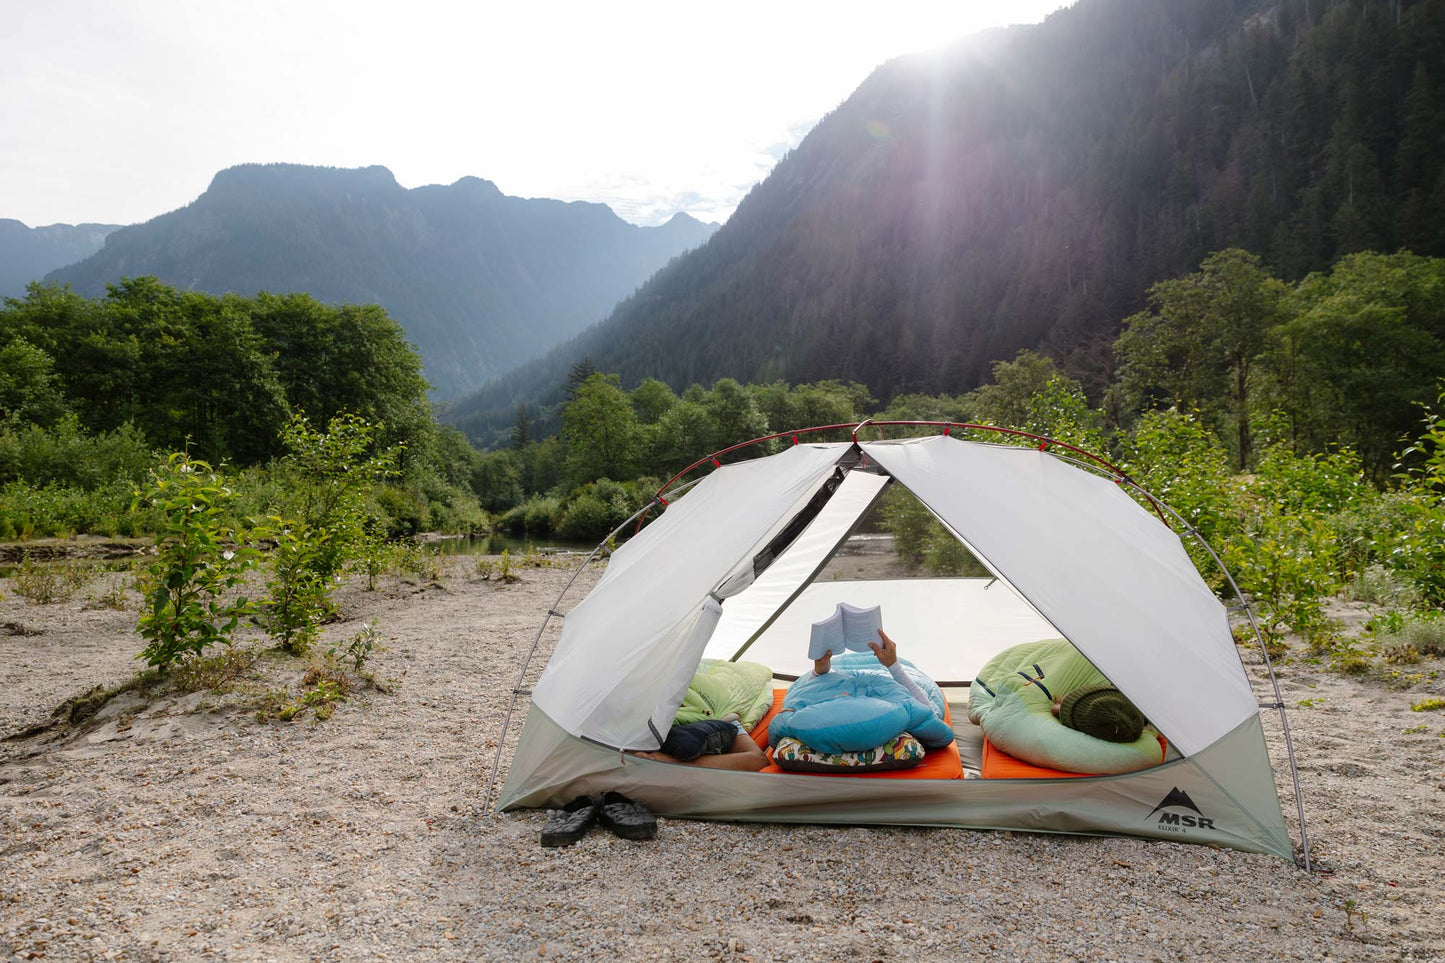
(1012, 699)
(719, 687)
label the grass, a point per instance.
(43, 583)
(220, 672)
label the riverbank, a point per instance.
(189, 828)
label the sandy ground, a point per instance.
(187, 829)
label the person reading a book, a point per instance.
(887, 652)
(845, 704)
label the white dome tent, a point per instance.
(730, 570)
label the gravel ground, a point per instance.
(186, 829)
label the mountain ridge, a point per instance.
(29, 253)
(480, 280)
(1024, 190)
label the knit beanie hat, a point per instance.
(1103, 712)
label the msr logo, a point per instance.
(1175, 822)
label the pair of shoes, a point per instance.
(570, 823)
(627, 819)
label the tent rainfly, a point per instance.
(725, 573)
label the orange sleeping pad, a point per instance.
(998, 764)
(937, 763)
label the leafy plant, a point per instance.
(199, 558)
(358, 647)
(502, 568)
(114, 596)
(324, 688)
(329, 473)
(419, 561)
(299, 596)
(1428, 705)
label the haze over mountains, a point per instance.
(29, 253)
(480, 281)
(1024, 189)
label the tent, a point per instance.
(729, 571)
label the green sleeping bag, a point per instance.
(719, 687)
(1012, 699)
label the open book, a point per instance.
(849, 627)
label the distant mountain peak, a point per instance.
(253, 176)
(478, 184)
(479, 285)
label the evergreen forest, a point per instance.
(1025, 188)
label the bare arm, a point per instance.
(744, 756)
(887, 654)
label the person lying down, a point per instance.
(724, 700)
(850, 707)
(1044, 703)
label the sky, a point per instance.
(115, 111)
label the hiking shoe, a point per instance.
(567, 825)
(628, 819)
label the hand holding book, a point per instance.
(849, 627)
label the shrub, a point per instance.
(587, 517)
(298, 594)
(1379, 585)
(1400, 633)
(1286, 563)
(539, 516)
(329, 474)
(358, 647)
(67, 457)
(199, 558)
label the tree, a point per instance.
(522, 430)
(651, 399)
(30, 391)
(578, 376)
(1008, 401)
(1197, 346)
(1362, 349)
(600, 431)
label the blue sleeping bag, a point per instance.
(858, 706)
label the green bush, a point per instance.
(328, 475)
(587, 517)
(67, 457)
(54, 512)
(539, 516)
(298, 593)
(1421, 633)
(199, 558)
(1379, 585)
(595, 509)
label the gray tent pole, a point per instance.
(552, 611)
(1268, 664)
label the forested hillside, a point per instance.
(480, 281)
(29, 253)
(1026, 187)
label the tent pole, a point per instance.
(551, 611)
(1268, 664)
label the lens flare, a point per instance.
(877, 130)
